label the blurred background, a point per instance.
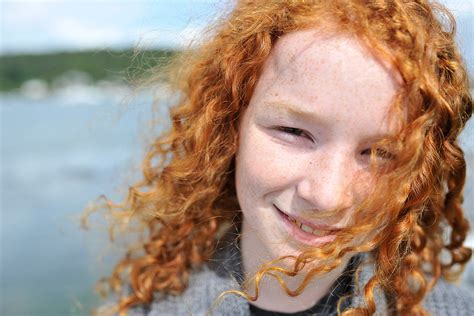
(70, 132)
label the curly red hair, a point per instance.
(188, 190)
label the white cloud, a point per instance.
(36, 25)
(79, 33)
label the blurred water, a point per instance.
(57, 155)
(55, 158)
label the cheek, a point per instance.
(364, 184)
(261, 166)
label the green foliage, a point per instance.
(109, 65)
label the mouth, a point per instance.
(308, 233)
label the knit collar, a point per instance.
(227, 264)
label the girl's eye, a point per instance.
(293, 132)
(380, 153)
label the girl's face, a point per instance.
(304, 140)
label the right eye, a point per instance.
(291, 130)
(293, 134)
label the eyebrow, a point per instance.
(295, 111)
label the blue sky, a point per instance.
(34, 25)
(48, 25)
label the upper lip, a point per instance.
(308, 223)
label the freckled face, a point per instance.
(304, 140)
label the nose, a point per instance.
(328, 184)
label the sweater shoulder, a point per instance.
(448, 299)
(199, 298)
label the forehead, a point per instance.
(317, 52)
(332, 74)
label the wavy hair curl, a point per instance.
(188, 188)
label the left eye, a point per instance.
(380, 153)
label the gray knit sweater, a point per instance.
(222, 274)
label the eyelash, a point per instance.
(293, 131)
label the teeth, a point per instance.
(319, 233)
(308, 229)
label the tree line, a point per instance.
(113, 65)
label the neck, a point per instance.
(272, 296)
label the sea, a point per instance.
(59, 152)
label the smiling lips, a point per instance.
(315, 231)
(308, 229)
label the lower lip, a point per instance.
(302, 236)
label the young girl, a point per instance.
(312, 167)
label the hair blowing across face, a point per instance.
(187, 193)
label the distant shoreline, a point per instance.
(97, 65)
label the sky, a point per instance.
(35, 26)
(52, 25)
